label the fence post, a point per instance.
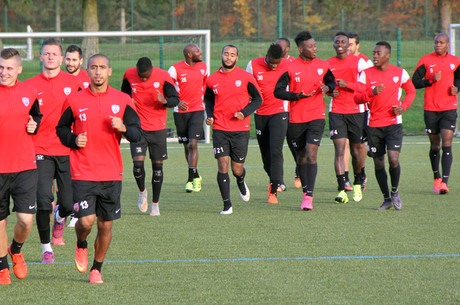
(161, 52)
(399, 46)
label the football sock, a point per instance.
(139, 174)
(358, 178)
(312, 170)
(274, 186)
(347, 178)
(16, 247)
(43, 225)
(157, 181)
(4, 262)
(223, 180)
(363, 173)
(341, 182)
(435, 157)
(303, 176)
(82, 244)
(97, 265)
(192, 173)
(395, 173)
(240, 182)
(46, 248)
(381, 176)
(446, 162)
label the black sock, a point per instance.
(157, 181)
(382, 178)
(240, 182)
(43, 225)
(363, 173)
(435, 157)
(274, 186)
(223, 180)
(16, 247)
(395, 173)
(82, 244)
(446, 163)
(303, 176)
(347, 178)
(358, 179)
(341, 182)
(4, 262)
(97, 265)
(139, 174)
(191, 174)
(312, 171)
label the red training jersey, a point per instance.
(190, 83)
(394, 80)
(52, 92)
(83, 75)
(266, 79)
(369, 63)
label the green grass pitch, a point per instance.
(265, 254)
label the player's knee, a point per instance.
(138, 168)
(158, 169)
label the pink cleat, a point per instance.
(307, 203)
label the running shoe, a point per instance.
(5, 277)
(386, 205)
(58, 241)
(227, 211)
(348, 186)
(95, 277)
(297, 183)
(357, 193)
(81, 259)
(142, 203)
(189, 186)
(58, 229)
(48, 257)
(247, 195)
(397, 203)
(73, 221)
(19, 264)
(341, 197)
(437, 185)
(197, 184)
(307, 203)
(272, 199)
(281, 188)
(155, 209)
(443, 188)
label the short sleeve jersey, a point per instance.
(52, 92)
(17, 152)
(266, 79)
(190, 83)
(152, 113)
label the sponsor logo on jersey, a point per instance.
(215, 85)
(156, 85)
(25, 101)
(82, 109)
(237, 83)
(395, 79)
(115, 108)
(67, 90)
(297, 73)
(320, 71)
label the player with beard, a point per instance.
(231, 96)
(190, 78)
(73, 61)
(308, 79)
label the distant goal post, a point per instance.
(454, 49)
(163, 47)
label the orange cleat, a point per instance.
(437, 185)
(81, 259)
(272, 199)
(19, 264)
(443, 189)
(297, 183)
(5, 278)
(95, 277)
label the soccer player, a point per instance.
(439, 73)
(271, 117)
(353, 48)
(190, 78)
(285, 44)
(152, 90)
(346, 118)
(53, 86)
(19, 118)
(308, 79)
(92, 123)
(73, 61)
(381, 87)
(231, 96)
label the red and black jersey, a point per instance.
(190, 83)
(394, 80)
(347, 69)
(83, 75)
(266, 79)
(152, 112)
(228, 93)
(52, 92)
(91, 112)
(17, 152)
(306, 76)
(437, 94)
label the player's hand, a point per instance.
(117, 123)
(209, 121)
(453, 90)
(341, 83)
(437, 77)
(161, 98)
(183, 105)
(335, 93)
(325, 89)
(239, 115)
(31, 125)
(397, 110)
(303, 95)
(81, 140)
(378, 89)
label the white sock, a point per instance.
(58, 217)
(46, 247)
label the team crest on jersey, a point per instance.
(25, 101)
(320, 71)
(40, 102)
(202, 71)
(86, 84)
(237, 83)
(156, 85)
(67, 90)
(115, 108)
(395, 79)
(452, 67)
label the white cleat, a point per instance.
(73, 221)
(154, 209)
(246, 196)
(142, 201)
(227, 212)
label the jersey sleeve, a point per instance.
(408, 86)
(249, 67)
(132, 122)
(256, 99)
(64, 127)
(281, 86)
(419, 75)
(209, 101)
(126, 87)
(36, 115)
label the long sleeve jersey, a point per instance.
(306, 76)
(266, 79)
(91, 112)
(17, 152)
(394, 80)
(52, 92)
(83, 76)
(190, 82)
(437, 94)
(152, 113)
(228, 93)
